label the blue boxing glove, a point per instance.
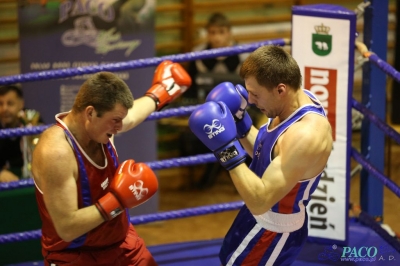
(235, 97)
(214, 125)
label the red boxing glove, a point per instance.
(133, 184)
(169, 82)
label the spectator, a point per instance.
(16, 152)
(206, 74)
(218, 35)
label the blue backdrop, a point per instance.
(71, 34)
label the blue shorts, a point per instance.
(248, 243)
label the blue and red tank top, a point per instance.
(297, 199)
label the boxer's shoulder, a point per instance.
(53, 157)
(53, 142)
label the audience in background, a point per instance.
(207, 73)
(16, 152)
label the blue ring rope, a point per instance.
(139, 63)
(141, 219)
(28, 235)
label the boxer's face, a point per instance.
(102, 128)
(266, 100)
(219, 37)
(10, 106)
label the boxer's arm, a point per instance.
(7, 176)
(300, 153)
(169, 82)
(141, 109)
(248, 141)
(54, 168)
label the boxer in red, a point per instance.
(82, 192)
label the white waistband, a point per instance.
(281, 223)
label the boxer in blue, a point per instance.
(288, 154)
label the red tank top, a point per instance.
(93, 183)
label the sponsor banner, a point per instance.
(323, 44)
(79, 33)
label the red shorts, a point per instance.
(132, 252)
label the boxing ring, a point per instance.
(364, 229)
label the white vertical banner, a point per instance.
(323, 38)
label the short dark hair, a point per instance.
(271, 65)
(103, 91)
(218, 19)
(15, 88)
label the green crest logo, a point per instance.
(322, 41)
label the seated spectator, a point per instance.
(207, 73)
(16, 152)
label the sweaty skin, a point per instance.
(300, 153)
(55, 169)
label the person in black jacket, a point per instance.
(16, 152)
(223, 68)
(206, 74)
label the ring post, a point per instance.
(323, 38)
(374, 98)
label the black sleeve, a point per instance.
(41, 121)
(192, 91)
(3, 159)
(192, 70)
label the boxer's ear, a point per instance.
(90, 112)
(281, 89)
